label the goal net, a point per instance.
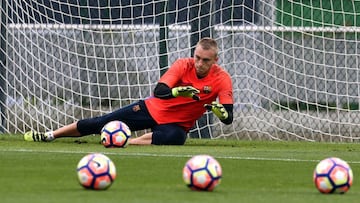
(294, 64)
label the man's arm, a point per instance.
(229, 109)
(163, 91)
(223, 111)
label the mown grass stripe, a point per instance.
(167, 155)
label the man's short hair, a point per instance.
(208, 43)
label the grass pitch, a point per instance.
(253, 171)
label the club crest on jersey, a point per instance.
(207, 89)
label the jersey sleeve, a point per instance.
(174, 73)
(226, 93)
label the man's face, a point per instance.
(204, 59)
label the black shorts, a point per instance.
(168, 134)
(137, 117)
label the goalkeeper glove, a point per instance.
(218, 109)
(185, 91)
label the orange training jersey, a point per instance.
(183, 110)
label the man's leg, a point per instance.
(145, 139)
(134, 115)
(165, 134)
(65, 131)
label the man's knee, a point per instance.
(90, 126)
(174, 136)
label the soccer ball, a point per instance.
(115, 134)
(202, 172)
(333, 175)
(96, 171)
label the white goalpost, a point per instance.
(294, 64)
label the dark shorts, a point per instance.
(168, 134)
(137, 117)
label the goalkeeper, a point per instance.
(183, 94)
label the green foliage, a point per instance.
(253, 171)
(351, 106)
(318, 13)
(305, 106)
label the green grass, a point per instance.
(253, 171)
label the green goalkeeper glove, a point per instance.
(218, 109)
(185, 91)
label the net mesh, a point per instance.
(294, 64)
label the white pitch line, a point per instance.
(168, 155)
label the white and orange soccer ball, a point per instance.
(96, 171)
(202, 172)
(115, 134)
(333, 175)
